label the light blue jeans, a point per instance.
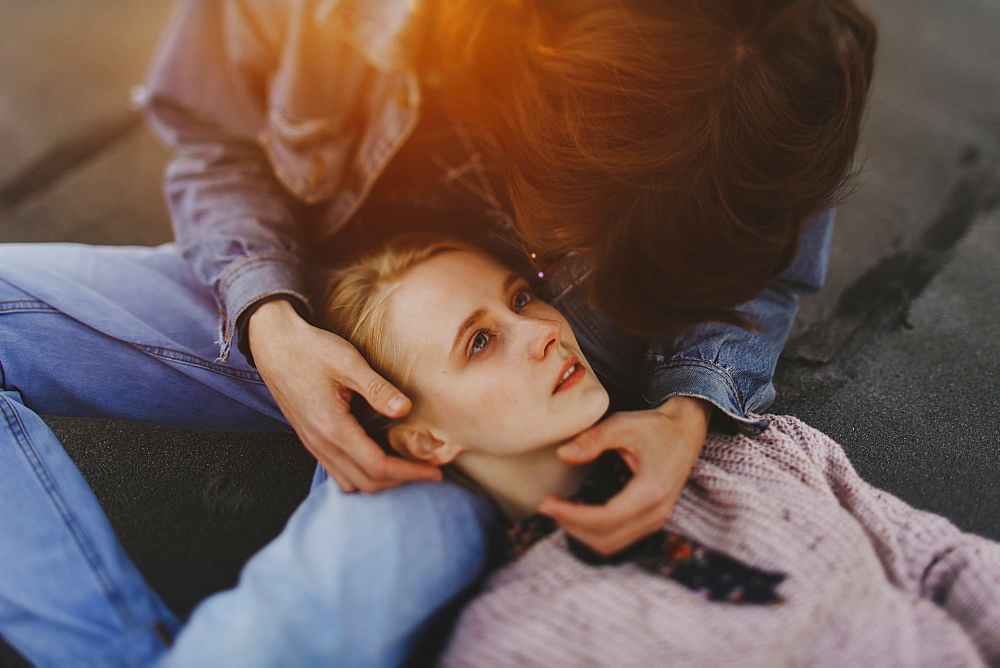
(129, 333)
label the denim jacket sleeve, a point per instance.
(272, 106)
(733, 367)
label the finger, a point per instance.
(393, 473)
(608, 541)
(379, 466)
(333, 469)
(364, 464)
(635, 501)
(357, 478)
(377, 469)
(338, 456)
(587, 446)
(343, 483)
(377, 391)
(404, 470)
(608, 544)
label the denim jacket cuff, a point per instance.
(250, 282)
(704, 380)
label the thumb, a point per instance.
(378, 392)
(586, 446)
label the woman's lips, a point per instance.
(572, 374)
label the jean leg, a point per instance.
(350, 581)
(121, 332)
(110, 332)
(68, 592)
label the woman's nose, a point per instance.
(545, 336)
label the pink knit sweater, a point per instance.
(871, 581)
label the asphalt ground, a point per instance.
(898, 358)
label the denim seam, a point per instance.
(32, 305)
(90, 554)
(237, 268)
(21, 306)
(709, 366)
(25, 306)
(746, 419)
(227, 320)
(191, 360)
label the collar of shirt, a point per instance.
(374, 28)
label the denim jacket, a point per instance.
(272, 105)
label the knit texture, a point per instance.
(714, 575)
(870, 580)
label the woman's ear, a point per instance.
(420, 443)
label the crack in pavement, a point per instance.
(823, 359)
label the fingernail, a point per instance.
(397, 403)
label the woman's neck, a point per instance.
(518, 484)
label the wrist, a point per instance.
(692, 410)
(276, 315)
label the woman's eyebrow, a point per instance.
(467, 324)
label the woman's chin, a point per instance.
(597, 401)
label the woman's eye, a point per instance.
(480, 341)
(522, 299)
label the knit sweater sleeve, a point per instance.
(921, 551)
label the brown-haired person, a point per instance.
(676, 160)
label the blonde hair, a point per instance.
(353, 301)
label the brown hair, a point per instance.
(676, 148)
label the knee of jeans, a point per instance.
(22, 327)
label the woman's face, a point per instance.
(493, 368)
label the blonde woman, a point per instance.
(777, 553)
